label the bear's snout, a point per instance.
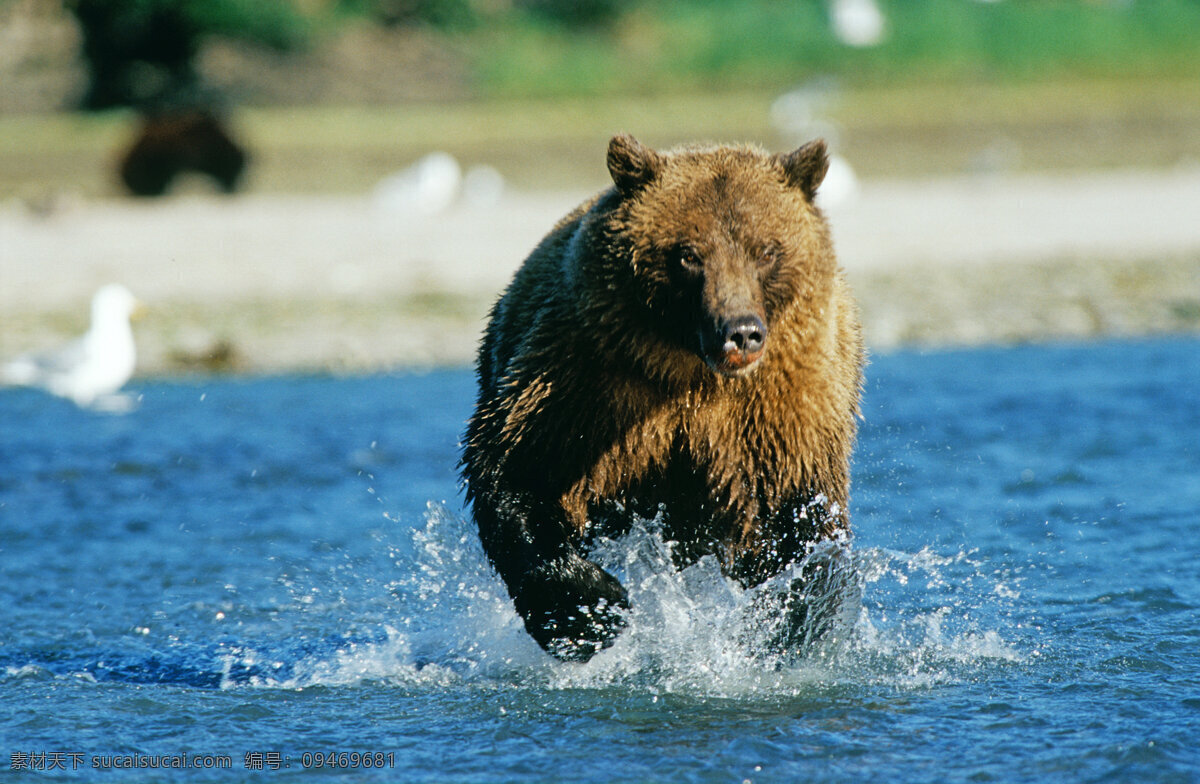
(738, 344)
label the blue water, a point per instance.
(269, 569)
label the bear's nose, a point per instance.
(744, 336)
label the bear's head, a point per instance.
(721, 243)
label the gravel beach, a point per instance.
(269, 283)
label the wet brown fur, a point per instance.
(596, 398)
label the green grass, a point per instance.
(703, 44)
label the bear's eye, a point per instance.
(769, 256)
(688, 259)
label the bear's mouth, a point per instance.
(736, 363)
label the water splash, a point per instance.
(930, 618)
(906, 619)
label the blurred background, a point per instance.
(295, 184)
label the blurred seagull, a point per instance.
(91, 369)
(427, 187)
(858, 23)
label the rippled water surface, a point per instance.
(261, 572)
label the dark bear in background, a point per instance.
(173, 142)
(683, 344)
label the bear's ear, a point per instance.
(630, 164)
(805, 168)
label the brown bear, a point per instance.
(174, 142)
(681, 347)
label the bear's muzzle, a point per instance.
(735, 346)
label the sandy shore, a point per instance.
(268, 283)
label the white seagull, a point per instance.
(91, 369)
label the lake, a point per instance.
(276, 575)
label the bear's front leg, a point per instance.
(807, 585)
(570, 606)
(816, 600)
